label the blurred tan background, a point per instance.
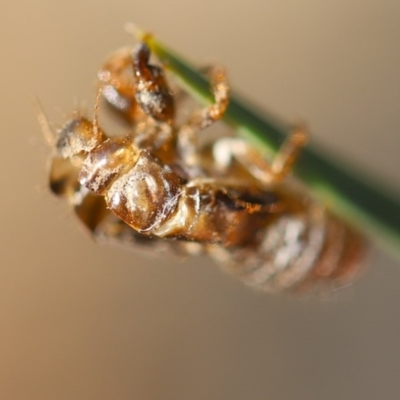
(82, 321)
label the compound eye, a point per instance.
(76, 136)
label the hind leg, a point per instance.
(227, 149)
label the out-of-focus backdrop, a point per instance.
(82, 321)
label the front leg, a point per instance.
(152, 91)
(116, 83)
(134, 87)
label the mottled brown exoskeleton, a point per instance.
(158, 186)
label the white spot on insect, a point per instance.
(115, 199)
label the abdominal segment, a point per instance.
(298, 251)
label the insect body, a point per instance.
(159, 186)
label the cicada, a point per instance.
(160, 186)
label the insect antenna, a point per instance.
(96, 130)
(44, 123)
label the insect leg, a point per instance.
(201, 119)
(116, 79)
(287, 155)
(227, 148)
(151, 88)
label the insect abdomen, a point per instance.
(297, 251)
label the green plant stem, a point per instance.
(350, 194)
